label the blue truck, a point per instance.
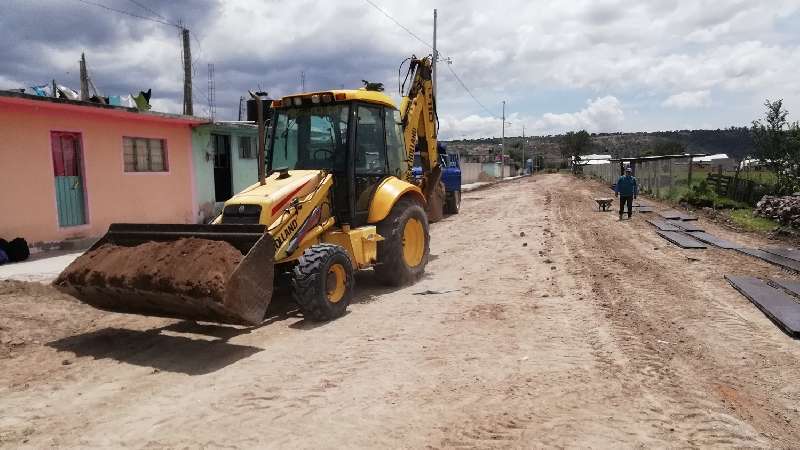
(451, 177)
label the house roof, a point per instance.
(17, 98)
(243, 126)
(594, 156)
(710, 158)
(593, 162)
(652, 158)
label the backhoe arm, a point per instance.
(418, 114)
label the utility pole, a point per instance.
(524, 165)
(503, 143)
(84, 79)
(435, 55)
(187, 74)
(302, 81)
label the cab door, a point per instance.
(369, 158)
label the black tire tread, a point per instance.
(391, 268)
(308, 289)
(451, 205)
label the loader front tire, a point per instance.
(404, 252)
(323, 282)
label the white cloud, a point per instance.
(169, 106)
(688, 100)
(604, 114)
(615, 51)
(600, 115)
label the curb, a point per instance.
(486, 184)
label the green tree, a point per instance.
(776, 144)
(574, 144)
(662, 148)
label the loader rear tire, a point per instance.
(453, 203)
(323, 282)
(404, 252)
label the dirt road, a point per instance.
(554, 325)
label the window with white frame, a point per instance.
(144, 154)
(247, 148)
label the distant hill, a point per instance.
(736, 142)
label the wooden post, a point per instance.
(261, 142)
(657, 170)
(689, 181)
(670, 173)
(188, 108)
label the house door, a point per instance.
(68, 172)
(223, 186)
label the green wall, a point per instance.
(244, 171)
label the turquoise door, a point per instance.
(68, 172)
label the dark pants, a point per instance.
(623, 200)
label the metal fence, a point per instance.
(661, 178)
(672, 178)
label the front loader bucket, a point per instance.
(213, 273)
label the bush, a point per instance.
(701, 196)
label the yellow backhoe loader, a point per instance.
(336, 196)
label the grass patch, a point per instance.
(745, 219)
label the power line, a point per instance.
(397, 23)
(442, 56)
(146, 8)
(128, 13)
(470, 92)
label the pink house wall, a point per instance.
(27, 190)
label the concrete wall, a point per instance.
(244, 171)
(471, 171)
(27, 187)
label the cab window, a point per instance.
(370, 154)
(395, 150)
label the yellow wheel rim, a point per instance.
(336, 283)
(413, 242)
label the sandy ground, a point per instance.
(556, 325)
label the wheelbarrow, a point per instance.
(604, 204)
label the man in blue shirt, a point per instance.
(627, 191)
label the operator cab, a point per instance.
(355, 134)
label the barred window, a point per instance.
(144, 154)
(247, 148)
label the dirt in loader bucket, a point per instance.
(189, 278)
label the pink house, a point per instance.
(69, 169)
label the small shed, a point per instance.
(225, 156)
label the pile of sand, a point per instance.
(193, 267)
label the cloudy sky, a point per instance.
(600, 65)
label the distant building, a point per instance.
(719, 160)
(68, 168)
